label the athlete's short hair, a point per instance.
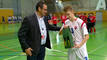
(68, 8)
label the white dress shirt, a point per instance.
(42, 29)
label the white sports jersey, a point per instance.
(78, 29)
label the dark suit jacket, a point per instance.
(29, 34)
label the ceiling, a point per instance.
(51, 1)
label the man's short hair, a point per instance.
(40, 4)
(68, 8)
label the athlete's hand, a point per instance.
(28, 51)
(77, 46)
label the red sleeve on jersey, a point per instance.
(82, 24)
(93, 19)
(85, 19)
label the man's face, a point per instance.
(43, 10)
(69, 14)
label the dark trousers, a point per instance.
(55, 24)
(89, 27)
(39, 56)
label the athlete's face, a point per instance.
(70, 14)
(91, 14)
(82, 14)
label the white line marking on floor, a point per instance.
(10, 58)
(96, 49)
(13, 57)
(57, 51)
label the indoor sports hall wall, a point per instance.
(100, 15)
(87, 12)
(5, 13)
(104, 16)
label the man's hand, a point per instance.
(65, 26)
(28, 51)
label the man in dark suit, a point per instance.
(34, 35)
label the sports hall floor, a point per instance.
(10, 47)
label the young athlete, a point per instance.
(80, 15)
(9, 19)
(89, 23)
(93, 21)
(55, 19)
(63, 18)
(79, 34)
(84, 17)
(3, 20)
